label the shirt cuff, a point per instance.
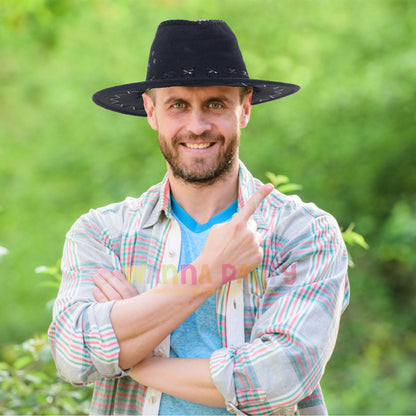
(101, 340)
(222, 373)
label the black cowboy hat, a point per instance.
(191, 53)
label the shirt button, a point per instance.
(153, 399)
(171, 253)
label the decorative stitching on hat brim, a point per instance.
(127, 98)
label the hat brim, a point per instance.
(127, 98)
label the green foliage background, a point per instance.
(348, 137)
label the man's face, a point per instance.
(198, 129)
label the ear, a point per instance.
(245, 110)
(149, 106)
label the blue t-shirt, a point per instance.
(197, 336)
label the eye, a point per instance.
(215, 106)
(178, 106)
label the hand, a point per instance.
(112, 286)
(234, 244)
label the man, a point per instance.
(211, 293)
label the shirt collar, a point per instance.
(162, 206)
(247, 186)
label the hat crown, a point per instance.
(195, 49)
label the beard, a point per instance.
(201, 172)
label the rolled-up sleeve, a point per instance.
(81, 335)
(296, 324)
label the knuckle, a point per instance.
(133, 291)
(104, 273)
(238, 225)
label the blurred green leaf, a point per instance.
(23, 362)
(353, 238)
(289, 188)
(282, 184)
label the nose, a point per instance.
(198, 122)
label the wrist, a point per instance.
(195, 281)
(208, 275)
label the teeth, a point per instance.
(197, 145)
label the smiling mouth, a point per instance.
(198, 145)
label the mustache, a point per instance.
(189, 138)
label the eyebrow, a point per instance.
(172, 100)
(221, 98)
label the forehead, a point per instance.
(200, 93)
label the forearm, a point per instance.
(142, 322)
(186, 378)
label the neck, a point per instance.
(201, 201)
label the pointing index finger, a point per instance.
(255, 200)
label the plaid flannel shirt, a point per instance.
(278, 326)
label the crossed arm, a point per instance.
(186, 378)
(189, 379)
